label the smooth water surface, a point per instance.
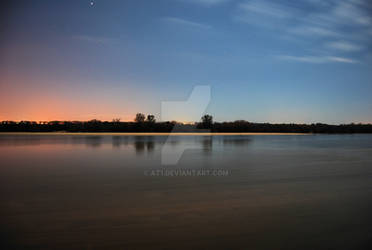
(93, 191)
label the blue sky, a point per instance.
(266, 61)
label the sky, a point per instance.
(299, 61)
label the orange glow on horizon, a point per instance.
(47, 101)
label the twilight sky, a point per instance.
(266, 61)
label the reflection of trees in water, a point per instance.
(140, 143)
(207, 144)
(139, 146)
(21, 140)
(117, 141)
(93, 141)
(25, 140)
(148, 144)
(236, 140)
(144, 142)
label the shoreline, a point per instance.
(151, 133)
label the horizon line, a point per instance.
(180, 122)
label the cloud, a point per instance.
(265, 14)
(317, 59)
(265, 8)
(307, 17)
(314, 24)
(206, 2)
(349, 12)
(311, 31)
(181, 21)
(320, 3)
(96, 39)
(341, 59)
(344, 46)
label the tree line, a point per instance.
(148, 123)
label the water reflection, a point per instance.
(104, 189)
(236, 140)
(150, 145)
(118, 141)
(139, 146)
(207, 144)
(141, 143)
(93, 141)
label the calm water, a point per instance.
(91, 192)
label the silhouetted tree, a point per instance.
(207, 121)
(151, 119)
(150, 125)
(139, 118)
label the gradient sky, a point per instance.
(266, 61)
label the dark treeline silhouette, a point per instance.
(148, 124)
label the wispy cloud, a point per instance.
(96, 39)
(317, 23)
(341, 59)
(344, 46)
(184, 22)
(265, 8)
(264, 14)
(206, 2)
(317, 14)
(307, 30)
(317, 59)
(348, 11)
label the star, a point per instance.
(91, 3)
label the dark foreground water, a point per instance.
(100, 192)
